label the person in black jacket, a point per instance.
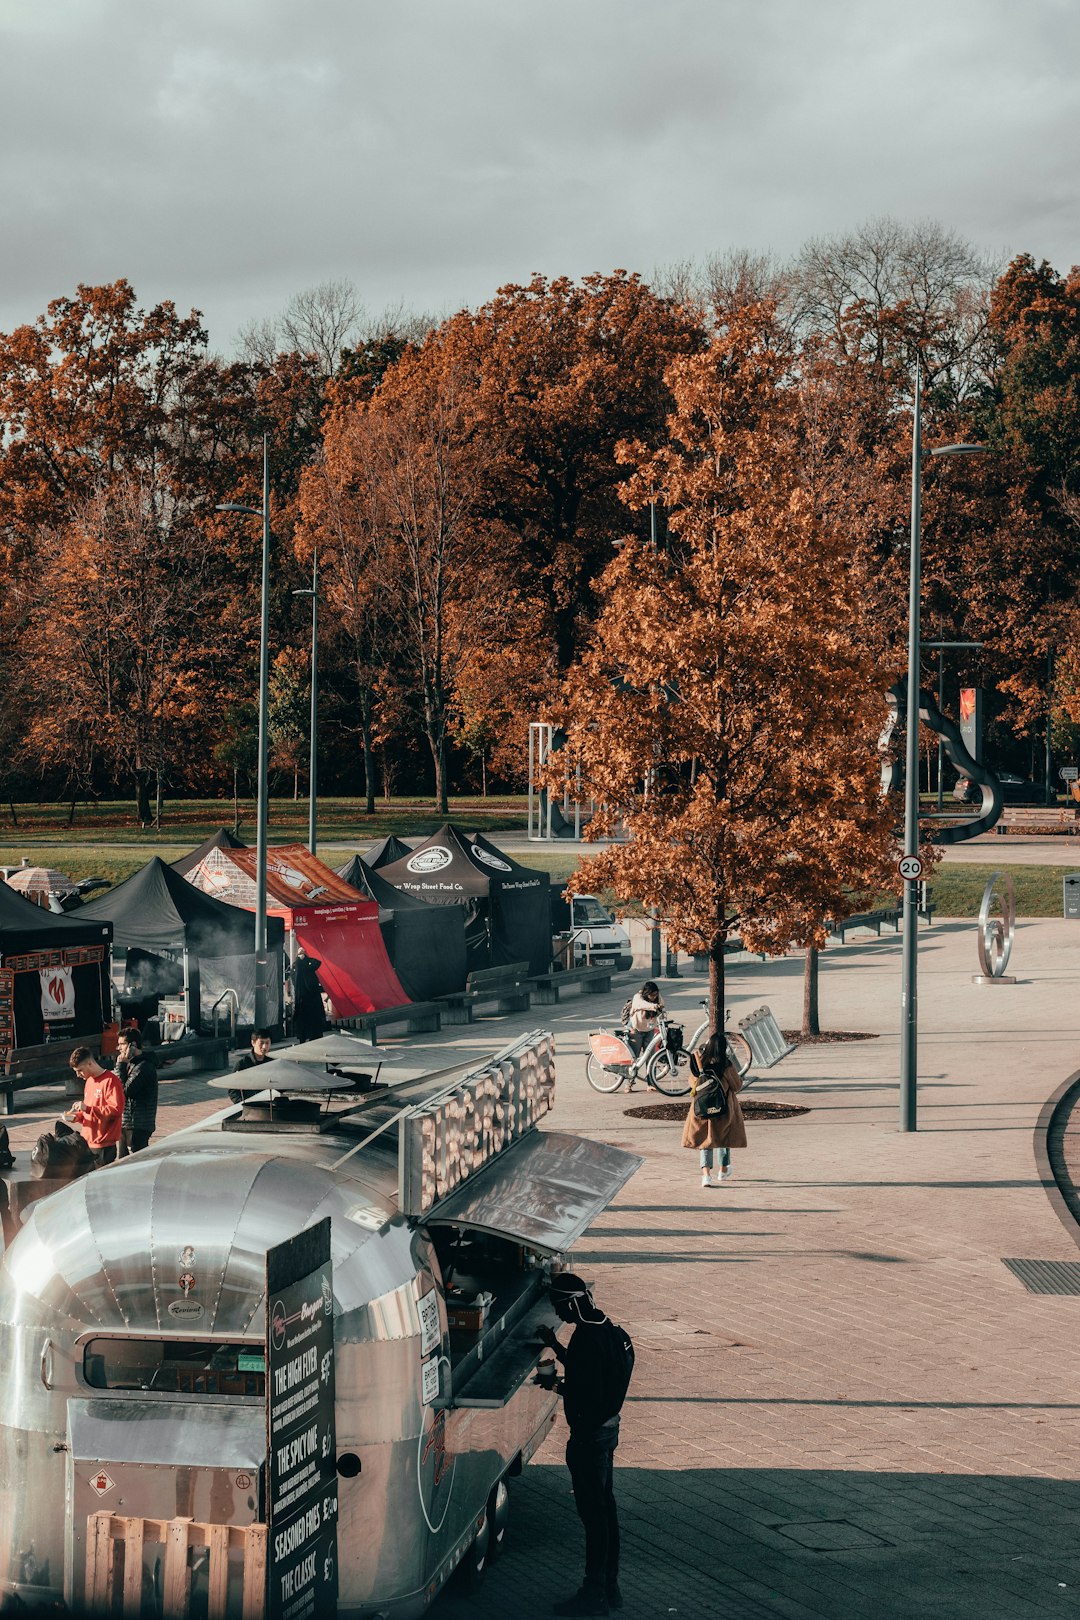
(309, 1015)
(597, 1364)
(139, 1078)
(261, 1040)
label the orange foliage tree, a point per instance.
(724, 714)
(116, 642)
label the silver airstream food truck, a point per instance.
(134, 1338)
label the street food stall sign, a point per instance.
(301, 1441)
(449, 1137)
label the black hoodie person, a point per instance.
(597, 1364)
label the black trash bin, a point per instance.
(1070, 885)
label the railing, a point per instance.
(229, 995)
(107, 1575)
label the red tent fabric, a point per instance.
(329, 918)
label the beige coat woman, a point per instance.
(719, 1130)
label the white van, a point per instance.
(585, 933)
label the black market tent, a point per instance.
(54, 970)
(221, 839)
(425, 943)
(506, 905)
(385, 852)
(176, 938)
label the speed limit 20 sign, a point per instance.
(910, 868)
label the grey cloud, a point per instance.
(228, 155)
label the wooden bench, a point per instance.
(594, 981)
(22, 1067)
(506, 986)
(1049, 818)
(867, 919)
(417, 1016)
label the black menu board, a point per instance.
(301, 1443)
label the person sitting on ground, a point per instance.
(139, 1078)
(101, 1111)
(261, 1041)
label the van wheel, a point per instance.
(498, 1515)
(469, 1575)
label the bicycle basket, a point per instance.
(674, 1037)
(610, 1050)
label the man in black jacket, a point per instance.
(597, 1364)
(139, 1078)
(261, 1040)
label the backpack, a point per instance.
(624, 1016)
(619, 1366)
(710, 1097)
(7, 1158)
(60, 1158)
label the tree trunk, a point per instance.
(437, 744)
(716, 984)
(716, 969)
(142, 799)
(235, 804)
(810, 1024)
(71, 812)
(369, 766)
(14, 817)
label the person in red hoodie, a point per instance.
(101, 1112)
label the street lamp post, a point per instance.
(312, 768)
(909, 1008)
(261, 955)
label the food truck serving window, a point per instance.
(175, 1366)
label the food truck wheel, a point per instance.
(602, 1079)
(498, 1514)
(473, 1567)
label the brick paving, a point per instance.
(845, 1404)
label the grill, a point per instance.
(1047, 1276)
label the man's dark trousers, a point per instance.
(589, 1457)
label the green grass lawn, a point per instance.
(186, 822)
(958, 890)
(106, 841)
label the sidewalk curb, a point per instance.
(1050, 1156)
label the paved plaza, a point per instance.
(845, 1403)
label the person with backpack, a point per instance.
(714, 1122)
(102, 1108)
(597, 1364)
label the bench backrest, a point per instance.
(494, 978)
(50, 1055)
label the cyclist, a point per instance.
(641, 1018)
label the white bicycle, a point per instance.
(664, 1061)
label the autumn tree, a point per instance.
(340, 519)
(115, 642)
(722, 712)
(565, 370)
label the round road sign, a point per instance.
(910, 868)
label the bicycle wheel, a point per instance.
(670, 1073)
(740, 1052)
(602, 1079)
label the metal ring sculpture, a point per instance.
(996, 933)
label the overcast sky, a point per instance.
(230, 153)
